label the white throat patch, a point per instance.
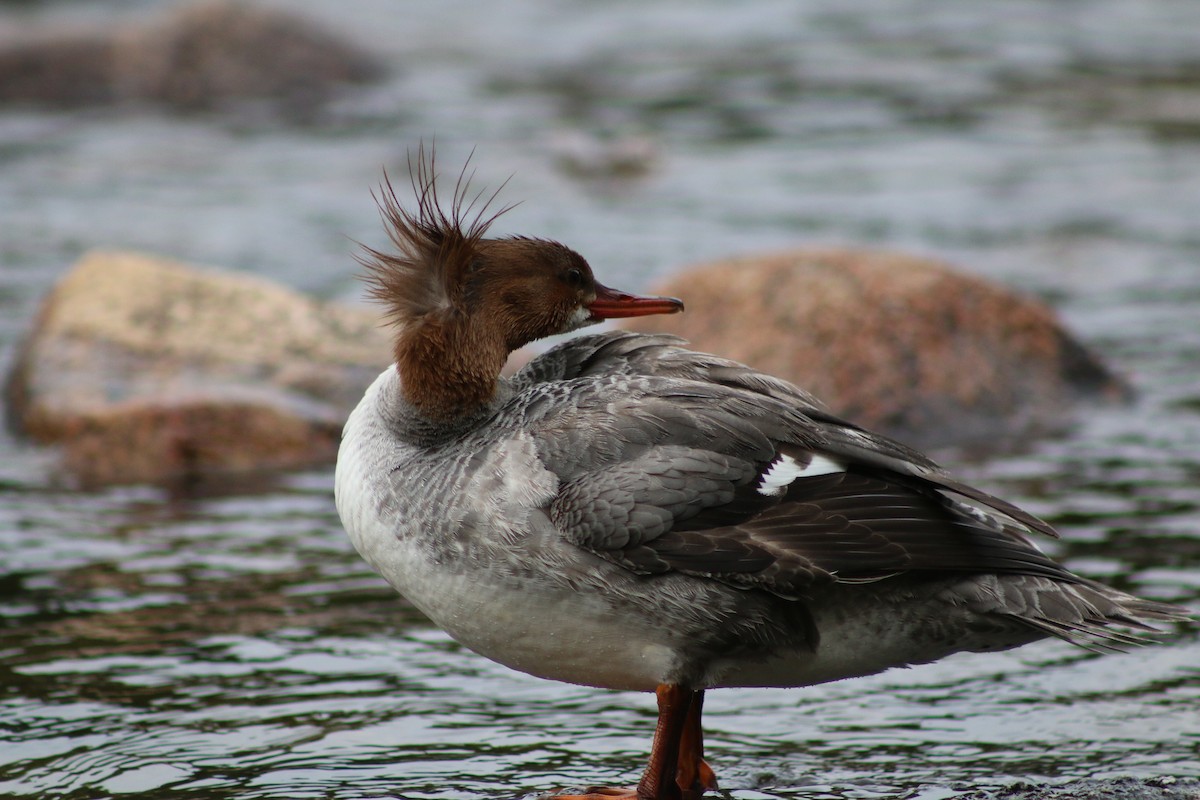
(578, 319)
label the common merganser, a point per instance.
(629, 514)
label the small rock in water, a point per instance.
(586, 156)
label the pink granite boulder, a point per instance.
(899, 343)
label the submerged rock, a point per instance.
(898, 343)
(202, 56)
(144, 369)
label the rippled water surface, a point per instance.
(233, 646)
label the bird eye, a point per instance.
(574, 277)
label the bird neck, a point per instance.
(449, 368)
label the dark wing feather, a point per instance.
(667, 459)
(854, 527)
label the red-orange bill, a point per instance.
(611, 304)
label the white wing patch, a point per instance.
(786, 469)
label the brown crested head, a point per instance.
(462, 302)
(444, 271)
(434, 247)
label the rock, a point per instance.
(64, 70)
(901, 344)
(584, 155)
(202, 56)
(144, 369)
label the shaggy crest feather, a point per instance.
(434, 246)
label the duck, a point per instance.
(626, 513)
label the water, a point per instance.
(233, 646)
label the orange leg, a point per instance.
(694, 775)
(677, 770)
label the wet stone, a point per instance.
(145, 369)
(902, 344)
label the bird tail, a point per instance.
(1085, 613)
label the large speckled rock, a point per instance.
(144, 369)
(901, 344)
(205, 55)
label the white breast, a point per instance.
(483, 599)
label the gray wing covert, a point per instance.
(622, 511)
(742, 482)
